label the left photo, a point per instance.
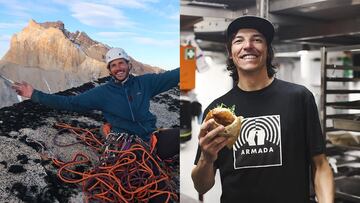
(89, 95)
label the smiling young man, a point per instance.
(280, 146)
(124, 100)
(120, 69)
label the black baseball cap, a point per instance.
(262, 25)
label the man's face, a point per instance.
(119, 68)
(249, 51)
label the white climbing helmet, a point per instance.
(116, 53)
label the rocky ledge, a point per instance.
(29, 138)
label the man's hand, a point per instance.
(209, 141)
(23, 89)
(203, 174)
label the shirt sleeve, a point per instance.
(162, 82)
(314, 136)
(83, 102)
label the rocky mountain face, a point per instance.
(53, 59)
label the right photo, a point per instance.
(270, 101)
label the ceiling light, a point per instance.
(305, 48)
(308, 9)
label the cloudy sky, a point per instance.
(147, 29)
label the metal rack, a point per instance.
(340, 121)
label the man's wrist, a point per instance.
(205, 160)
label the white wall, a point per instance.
(304, 71)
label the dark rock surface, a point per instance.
(27, 137)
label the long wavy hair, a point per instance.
(230, 66)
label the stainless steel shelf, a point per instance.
(331, 116)
(338, 79)
(342, 91)
(344, 105)
(336, 67)
(347, 124)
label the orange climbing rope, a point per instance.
(129, 171)
(87, 136)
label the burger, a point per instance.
(226, 117)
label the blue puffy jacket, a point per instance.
(125, 106)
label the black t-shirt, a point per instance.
(280, 133)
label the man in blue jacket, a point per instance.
(124, 100)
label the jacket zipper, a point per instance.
(127, 99)
(132, 114)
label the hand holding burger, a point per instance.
(227, 118)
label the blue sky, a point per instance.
(147, 29)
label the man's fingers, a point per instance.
(217, 144)
(16, 85)
(205, 127)
(213, 133)
(209, 138)
(221, 145)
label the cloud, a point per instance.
(163, 32)
(63, 2)
(169, 11)
(99, 15)
(14, 8)
(3, 50)
(156, 42)
(171, 30)
(4, 44)
(115, 34)
(15, 5)
(152, 1)
(5, 38)
(12, 25)
(175, 16)
(132, 3)
(40, 8)
(24, 9)
(127, 3)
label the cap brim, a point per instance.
(260, 24)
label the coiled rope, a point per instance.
(128, 169)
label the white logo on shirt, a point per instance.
(259, 143)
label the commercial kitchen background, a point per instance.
(303, 27)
